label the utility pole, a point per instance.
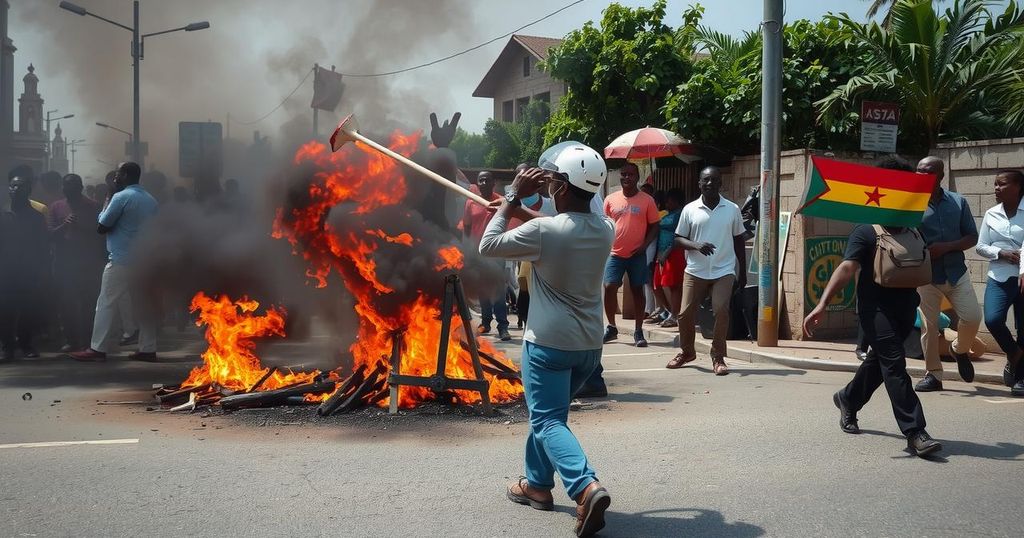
(136, 57)
(316, 111)
(768, 236)
(74, 143)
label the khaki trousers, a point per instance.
(961, 295)
(694, 291)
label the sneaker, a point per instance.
(144, 356)
(1008, 374)
(483, 328)
(718, 365)
(964, 366)
(610, 333)
(30, 353)
(130, 339)
(847, 418)
(929, 383)
(89, 355)
(503, 335)
(860, 354)
(922, 444)
(67, 348)
(638, 339)
(1018, 389)
(670, 322)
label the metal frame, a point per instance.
(454, 296)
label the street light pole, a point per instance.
(136, 54)
(74, 143)
(768, 224)
(137, 42)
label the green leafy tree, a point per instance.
(510, 143)
(880, 5)
(953, 73)
(720, 104)
(617, 74)
(471, 148)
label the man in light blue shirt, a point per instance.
(129, 209)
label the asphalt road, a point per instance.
(683, 453)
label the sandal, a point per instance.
(520, 496)
(718, 365)
(679, 361)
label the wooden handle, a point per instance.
(451, 185)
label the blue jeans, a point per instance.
(550, 377)
(999, 298)
(491, 309)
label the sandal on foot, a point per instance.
(679, 361)
(517, 493)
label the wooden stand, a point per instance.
(454, 296)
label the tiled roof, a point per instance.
(539, 46)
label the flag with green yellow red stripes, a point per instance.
(857, 193)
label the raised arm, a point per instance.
(842, 276)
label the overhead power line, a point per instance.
(413, 68)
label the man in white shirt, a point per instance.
(711, 230)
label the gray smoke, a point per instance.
(205, 75)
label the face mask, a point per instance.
(531, 200)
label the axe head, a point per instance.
(344, 133)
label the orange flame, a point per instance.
(359, 175)
(451, 258)
(230, 360)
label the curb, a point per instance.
(766, 357)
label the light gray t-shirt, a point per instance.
(568, 252)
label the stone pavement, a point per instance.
(814, 355)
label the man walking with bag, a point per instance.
(886, 303)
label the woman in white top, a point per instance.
(1000, 239)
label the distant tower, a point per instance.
(29, 144)
(30, 106)
(59, 159)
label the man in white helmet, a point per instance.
(564, 334)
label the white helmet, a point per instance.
(583, 166)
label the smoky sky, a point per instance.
(228, 68)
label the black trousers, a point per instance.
(79, 287)
(19, 314)
(523, 305)
(885, 331)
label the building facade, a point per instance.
(59, 157)
(514, 79)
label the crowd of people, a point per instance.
(66, 258)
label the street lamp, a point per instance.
(138, 41)
(74, 143)
(111, 127)
(49, 141)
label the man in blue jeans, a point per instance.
(563, 339)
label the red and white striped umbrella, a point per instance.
(648, 143)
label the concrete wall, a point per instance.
(515, 86)
(970, 170)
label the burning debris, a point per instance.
(347, 218)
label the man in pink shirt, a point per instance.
(474, 222)
(636, 225)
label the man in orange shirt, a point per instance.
(636, 225)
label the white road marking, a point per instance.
(1007, 400)
(635, 354)
(72, 443)
(662, 369)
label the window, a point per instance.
(526, 66)
(521, 105)
(506, 111)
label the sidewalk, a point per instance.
(813, 355)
